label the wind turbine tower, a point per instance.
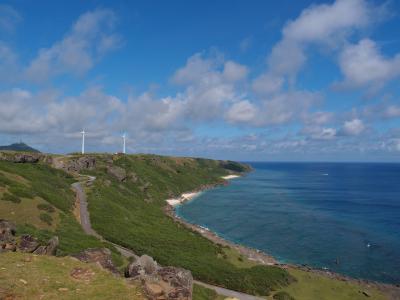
(124, 144)
(83, 141)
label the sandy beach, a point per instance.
(260, 256)
(183, 198)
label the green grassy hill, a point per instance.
(126, 205)
(18, 147)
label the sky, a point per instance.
(244, 80)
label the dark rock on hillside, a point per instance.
(21, 157)
(102, 256)
(167, 283)
(26, 243)
(7, 236)
(117, 172)
(76, 164)
(49, 249)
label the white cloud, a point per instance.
(318, 133)
(353, 127)
(210, 84)
(8, 64)
(275, 110)
(363, 65)
(326, 24)
(9, 18)
(234, 71)
(241, 112)
(246, 44)
(267, 84)
(89, 38)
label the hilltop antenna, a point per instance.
(83, 141)
(124, 143)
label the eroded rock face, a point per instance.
(167, 283)
(77, 164)
(49, 249)
(102, 256)
(26, 243)
(7, 236)
(117, 172)
(21, 157)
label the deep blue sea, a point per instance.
(340, 216)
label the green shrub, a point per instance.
(46, 218)
(46, 207)
(11, 197)
(119, 213)
(203, 293)
(283, 296)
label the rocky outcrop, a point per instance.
(28, 244)
(117, 172)
(49, 249)
(101, 256)
(167, 283)
(25, 243)
(21, 157)
(7, 236)
(75, 165)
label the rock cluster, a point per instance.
(26, 243)
(101, 256)
(7, 236)
(76, 164)
(117, 172)
(21, 157)
(161, 283)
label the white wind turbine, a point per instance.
(83, 141)
(124, 143)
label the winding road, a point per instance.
(87, 228)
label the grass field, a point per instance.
(314, 286)
(34, 184)
(203, 293)
(27, 211)
(131, 214)
(27, 276)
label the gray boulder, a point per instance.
(101, 256)
(117, 172)
(7, 236)
(28, 244)
(49, 249)
(158, 282)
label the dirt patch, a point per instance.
(7, 295)
(82, 274)
(16, 178)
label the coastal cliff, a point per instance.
(127, 202)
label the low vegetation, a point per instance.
(127, 207)
(203, 293)
(45, 206)
(27, 276)
(130, 213)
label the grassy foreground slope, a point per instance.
(130, 213)
(27, 276)
(30, 191)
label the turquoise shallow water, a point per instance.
(340, 216)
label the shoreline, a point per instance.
(259, 256)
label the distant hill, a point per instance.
(19, 147)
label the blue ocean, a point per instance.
(340, 216)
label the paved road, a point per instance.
(83, 211)
(87, 228)
(228, 293)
